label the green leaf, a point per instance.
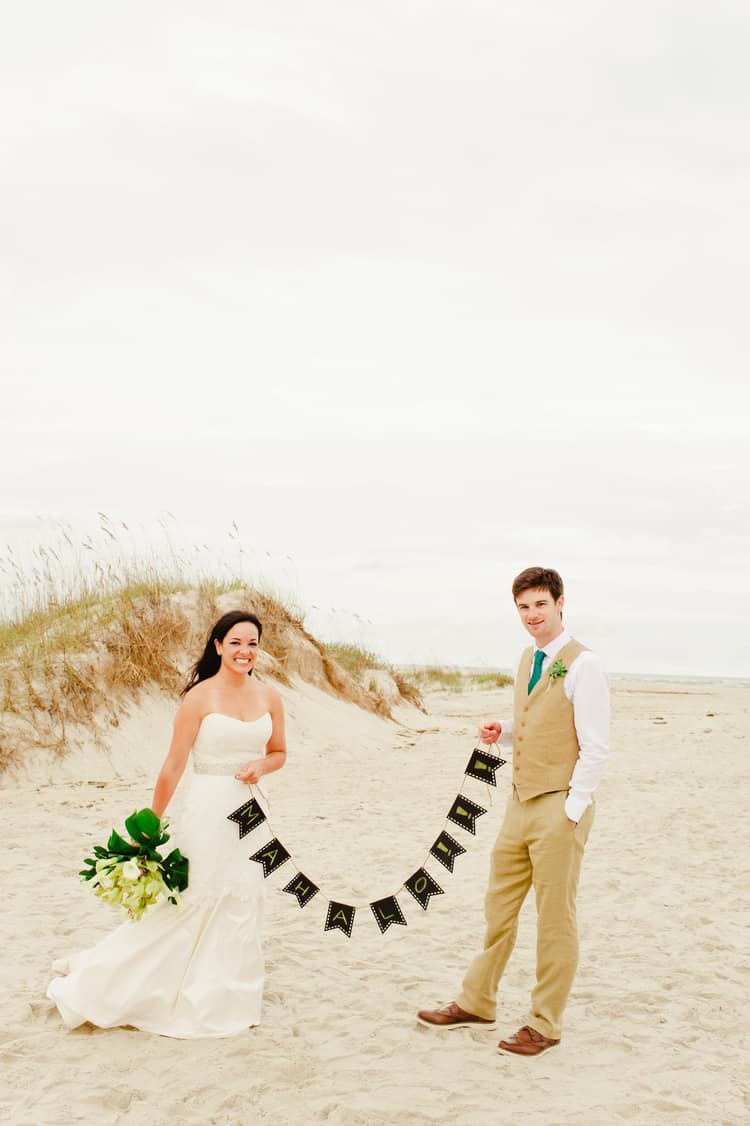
(118, 844)
(144, 826)
(176, 870)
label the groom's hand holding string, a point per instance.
(490, 733)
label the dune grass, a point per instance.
(415, 681)
(358, 661)
(354, 658)
(86, 624)
(435, 678)
(490, 679)
(81, 662)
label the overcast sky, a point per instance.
(416, 293)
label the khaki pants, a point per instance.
(536, 845)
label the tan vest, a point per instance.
(545, 744)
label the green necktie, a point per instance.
(536, 672)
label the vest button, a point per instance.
(520, 738)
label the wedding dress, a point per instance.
(196, 969)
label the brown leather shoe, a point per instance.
(526, 1042)
(452, 1016)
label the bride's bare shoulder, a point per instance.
(198, 698)
(271, 696)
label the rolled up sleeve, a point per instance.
(589, 695)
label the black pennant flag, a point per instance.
(271, 856)
(248, 817)
(387, 913)
(482, 766)
(422, 885)
(340, 917)
(303, 888)
(445, 849)
(464, 813)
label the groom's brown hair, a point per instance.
(538, 578)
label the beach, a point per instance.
(656, 1029)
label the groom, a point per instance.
(560, 737)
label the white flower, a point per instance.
(130, 870)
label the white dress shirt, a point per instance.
(587, 688)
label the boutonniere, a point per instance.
(557, 670)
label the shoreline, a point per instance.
(650, 677)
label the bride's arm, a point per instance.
(275, 755)
(186, 724)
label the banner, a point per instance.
(303, 888)
(482, 766)
(464, 813)
(340, 917)
(445, 850)
(248, 817)
(387, 913)
(421, 885)
(271, 856)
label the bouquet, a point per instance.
(134, 876)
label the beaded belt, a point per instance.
(216, 768)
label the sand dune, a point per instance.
(657, 1028)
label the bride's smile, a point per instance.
(239, 649)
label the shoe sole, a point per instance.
(489, 1027)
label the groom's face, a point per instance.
(540, 614)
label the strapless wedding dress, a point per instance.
(195, 970)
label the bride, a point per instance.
(196, 970)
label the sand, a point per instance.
(656, 1029)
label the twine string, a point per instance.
(356, 903)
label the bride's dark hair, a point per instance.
(210, 662)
